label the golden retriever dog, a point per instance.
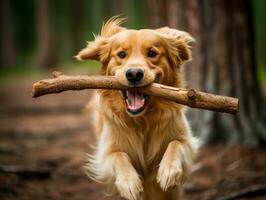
(144, 148)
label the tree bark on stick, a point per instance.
(189, 97)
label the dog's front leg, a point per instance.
(175, 164)
(127, 179)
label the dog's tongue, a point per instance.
(134, 100)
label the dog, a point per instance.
(145, 147)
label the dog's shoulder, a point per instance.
(93, 103)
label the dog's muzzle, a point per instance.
(134, 75)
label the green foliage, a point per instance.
(262, 74)
(260, 32)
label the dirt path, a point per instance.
(43, 144)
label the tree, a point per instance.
(115, 7)
(47, 56)
(8, 48)
(224, 63)
(77, 10)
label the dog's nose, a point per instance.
(134, 75)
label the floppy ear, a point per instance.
(95, 50)
(178, 43)
(99, 48)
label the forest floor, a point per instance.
(44, 141)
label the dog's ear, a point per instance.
(99, 48)
(93, 50)
(178, 43)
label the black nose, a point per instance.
(134, 75)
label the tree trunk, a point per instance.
(114, 7)
(47, 56)
(224, 63)
(8, 49)
(76, 21)
(156, 13)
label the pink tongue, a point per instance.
(134, 101)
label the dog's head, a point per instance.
(138, 58)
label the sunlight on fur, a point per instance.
(144, 148)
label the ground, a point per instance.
(44, 141)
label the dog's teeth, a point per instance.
(129, 101)
(127, 93)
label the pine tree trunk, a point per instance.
(156, 13)
(76, 24)
(8, 49)
(224, 63)
(47, 56)
(114, 7)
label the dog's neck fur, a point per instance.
(147, 130)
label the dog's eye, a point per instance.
(151, 54)
(122, 54)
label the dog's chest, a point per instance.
(146, 150)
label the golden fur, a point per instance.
(147, 156)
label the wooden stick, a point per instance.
(189, 97)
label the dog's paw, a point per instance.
(129, 186)
(170, 174)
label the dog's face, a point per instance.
(138, 58)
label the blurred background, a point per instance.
(43, 141)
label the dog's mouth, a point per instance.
(135, 101)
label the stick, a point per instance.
(189, 97)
